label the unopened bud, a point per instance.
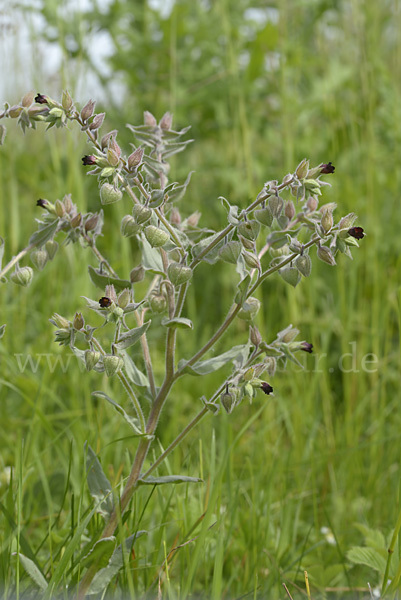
(60, 321)
(302, 169)
(158, 303)
(325, 255)
(135, 158)
(228, 401)
(110, 292)
(79, 321)
(97, 122)
(289, 209)
(112, 158)
(66, 101)
(178, 273)
(59, 208)
(276, 205)
(264, 216)
(166, 121)
(249, 309)
(291, 275)
(137, 274)
(156, 237)
(14, 111)
(251, 260)
(22, 276)
(230, 252)
(149, 119)
(112, 364)
(303, 263)
(92, 357)
(51, 248)
(175, 217)
(141, 213)
(312, 203)
(129, 226)
(123, 298)
(68, 205)
(91, 222)
(39, 258)
(76, 221)
(249, 229)
(248, 244)
(193, 219)
(28, 99)
(255, 335)
(88, 110)
(110, 194)
(327, 221)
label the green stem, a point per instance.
(16, 258)
(390, 551)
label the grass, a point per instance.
(325, 451)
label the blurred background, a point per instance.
(297, 480)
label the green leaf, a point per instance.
(132, 371)
(178, 191)
(203, 367)
(33, 571)
(178, 323)
(100, 553)
(132, 421)
(2, 330)
(370, 557)
(44, 233)
(99, 486)
(169, 479)
(242, 288)
(151, 258)
(2, 245)
(129, 338)
(102, 279)
(116, 562)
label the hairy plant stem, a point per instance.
(15, 259)
(146, 354)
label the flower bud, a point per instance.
(347, 221)
(264, 216)
(110, 194)
(302, 169)
(178, 273)
(51, 248)
(124, 298)
(249, 229)
(129, 226)
(91, 222)
(66, 101)
(60, 321)
(112, 158)
(249, 374)
(28, 99)
(248, 244)
(290, 275)
(110, 292)
(156, 237)
(59, 208)
(276, 205)
(175, 217)
(88, 110)
(135, 158)
(166, 121)
(228, 400)
(327, 221)
(149, 119)
(112, 364)
(254, 335)
(303, 263)
(249, 309)
(14, 111)
(324, 254)
(312, 203)
(158, 303)
(76, 221)
(247, 391)
(289, 209)
(79, 321)
(107, 137)
(68, 205)
(141, 213)
(39, 258)
(251, 260)
(22, 276)
(193, 219)
(230, 252)
(137, 274)
(92, 357)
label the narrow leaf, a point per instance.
(129, 338)
(178, 323)
(169, 479)
(44, 233)
(132, 371)
(151, 258)
(116, 562)
(132, 421)
(203, 367)
(100, 553)
(232, 211)
(178, 191)
(99, 486)
(242, 288)
(2, 330)
(2, 245)
(33, 571)
(102, 279)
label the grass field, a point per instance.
(292, 482)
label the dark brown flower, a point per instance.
(356, 232)
(89, 159)
(306, 347)
(41, 202)
(104, 302)
(327, 168)
(41, 99)
(266, 388)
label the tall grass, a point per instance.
(325, 451)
